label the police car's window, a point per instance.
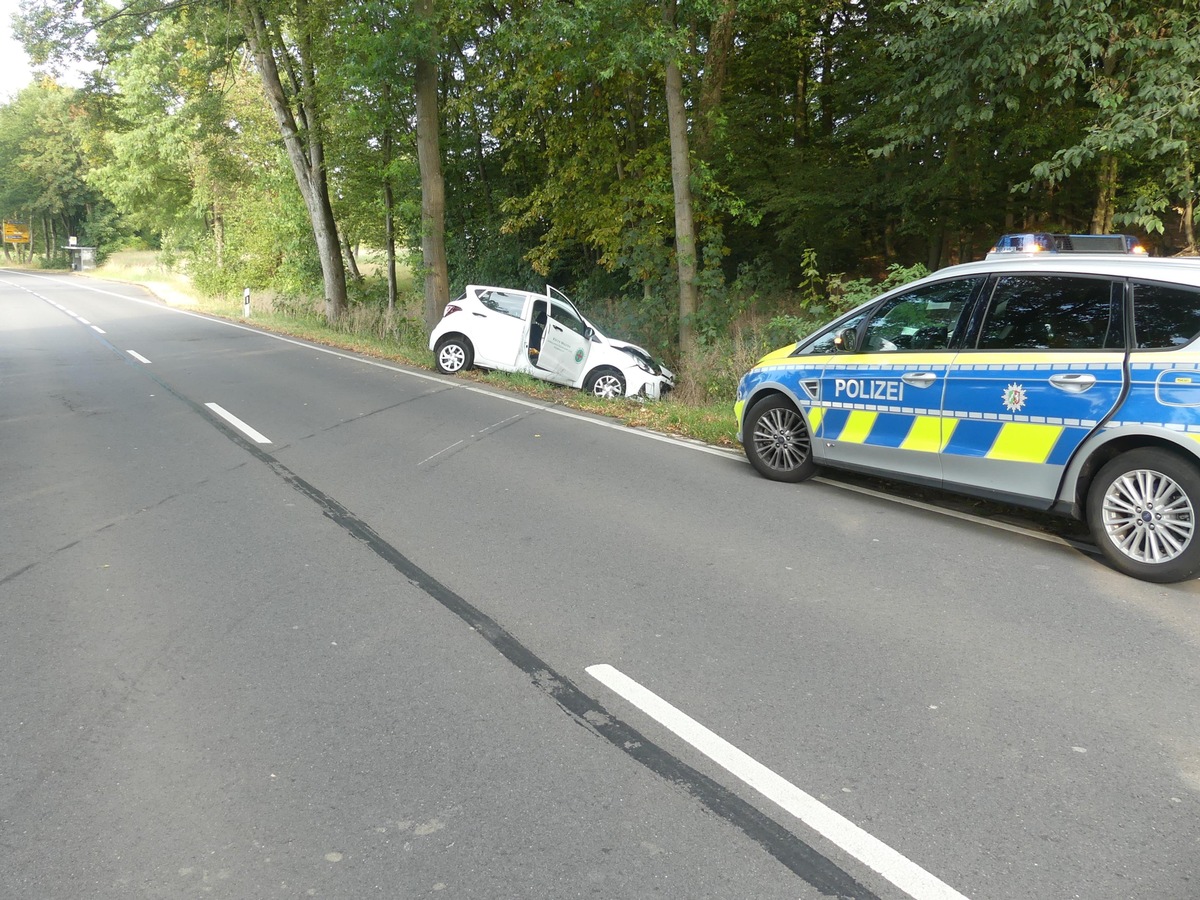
(825, 341)
(564, 316)
(1165, 316)
(503, 302)
(920, 319)
(1053, 312)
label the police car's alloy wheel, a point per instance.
(1142, 512)
(453, 354)
(606, 383)
(777, 441)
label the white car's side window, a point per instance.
(561, 314)
(503, 302)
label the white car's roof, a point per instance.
(476, 288)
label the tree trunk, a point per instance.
(825, 98)
(305, 149)
(1106, 193)
(716, 68)
(681, 175)
(800, 128)
(1189, 227)
(218, 225)
(389, 205)
(433, 189)
(389, 242)
(351, 262)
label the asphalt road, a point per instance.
(395, 635)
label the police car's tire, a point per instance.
(606, 383)
(777, 440)
(452, 354)
(1142, 509)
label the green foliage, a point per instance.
(838, 296)
(1120, 81)
(264, 244)
(873, 137)
(43, 133)
(845, 295)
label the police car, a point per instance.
(1054, 380)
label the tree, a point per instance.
(433, 191)
(1120, 79)
(42, 135)
(164, 107)
(681, 176)
(285, 41)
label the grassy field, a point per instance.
(401, 339)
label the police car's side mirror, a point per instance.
(846, 341)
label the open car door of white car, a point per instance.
(559, 343)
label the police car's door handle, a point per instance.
(919, 379)
(1073, 384)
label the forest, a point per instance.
(679, 167)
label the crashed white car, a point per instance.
(545, 336)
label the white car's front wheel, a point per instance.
(606, 383)
(453, 354)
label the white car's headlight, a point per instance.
(640, 361)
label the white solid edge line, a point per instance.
(558, 411)
(238, 424)
(138, 356)
(872, 852)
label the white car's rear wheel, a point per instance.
(453, 354)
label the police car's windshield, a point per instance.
(921, 318)
(823, 342)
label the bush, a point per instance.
(839, 296)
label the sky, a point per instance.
(15, 72)
(14, 64)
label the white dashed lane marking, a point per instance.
(237, 423)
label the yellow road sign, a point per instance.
(16, 234)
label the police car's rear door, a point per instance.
(1046, 368)
(881, 403)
